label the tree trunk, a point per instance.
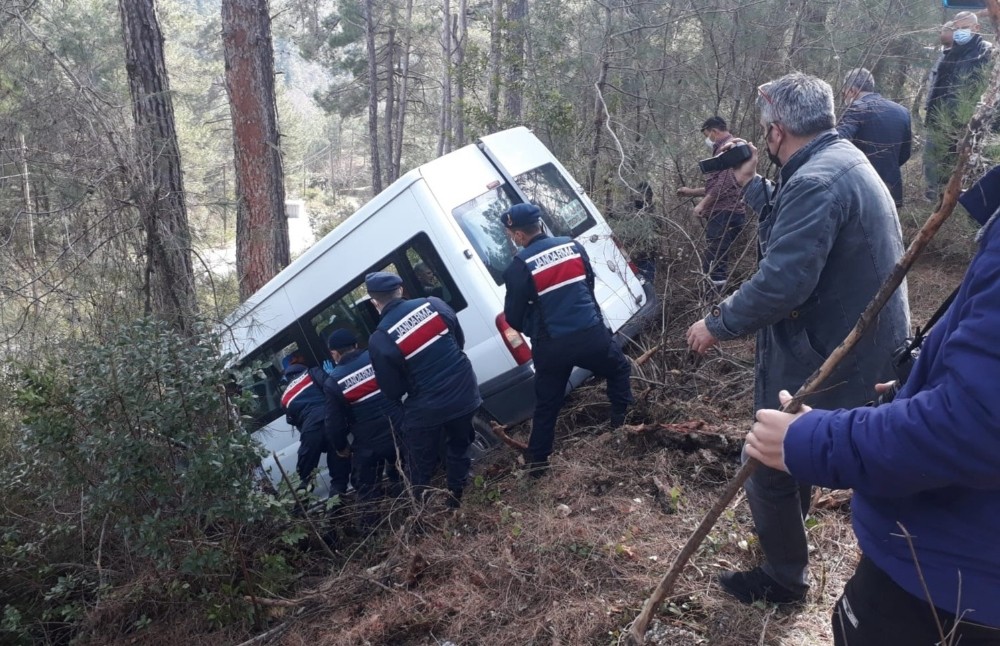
(493, 93)
(444, 123)
(463, 30)
(391, 172)
(595, 148)
(262, 247)
(369, 9)
(404, 87)
(514, 85)
(158, 189)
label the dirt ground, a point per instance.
(569, 559)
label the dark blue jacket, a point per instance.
(550, 289)
(828, 237)
(959, 68)
(417, 352)
(303, 400)
(881, 130)
(930, 460)
(355, 404)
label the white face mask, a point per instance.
(962, 36)
(709, 142)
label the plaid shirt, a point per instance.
(723, 186)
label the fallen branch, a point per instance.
(644, 357)
(501, 433)
(836, 499)
(260, 639)
(664, 497)
(981, 118)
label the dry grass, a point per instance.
(570, 559)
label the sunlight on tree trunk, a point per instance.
(158, 193)
(262, 248)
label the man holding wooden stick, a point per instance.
(925, 469)
(829, 236)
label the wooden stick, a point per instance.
(501, 432)
(644, 357)
(981, 117)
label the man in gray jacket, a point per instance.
(829, 236)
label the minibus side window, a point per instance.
(432, 279)
(267, 382)
(562, 211)
(479, 219)
(352, 311)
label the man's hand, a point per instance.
(699, 209)
(699, 338)
(748, 169)
(884, 387)
(766, 439)
(684, 191)
(344, 453)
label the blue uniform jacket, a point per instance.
(303, 400)
(930, 460)
(355, 404)
(550, 289)
(417, 352)
(881, 130)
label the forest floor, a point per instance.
(570, 558)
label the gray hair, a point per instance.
(859, 79)
(382, 298)
(801, 103)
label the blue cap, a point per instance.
(382, 281)
(291, 366)
(341, 338)
(983, 199)
(520, 215)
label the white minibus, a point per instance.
(438, 227)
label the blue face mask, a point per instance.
(962, 36)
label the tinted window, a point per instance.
(480, 220)
(423, 274)
(562, 211)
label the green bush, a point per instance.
(131, 482)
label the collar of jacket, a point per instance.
(350, 356)
(959, 52)
(804, 154)
(540, 236)
(389, 306)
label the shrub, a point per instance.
(132, 482)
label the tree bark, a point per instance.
(391, 172)
(158, 187)
(262, 247)
(496, 53)
(403, 88)
(514, 86)
(459, 110)
(369, 11)
(444, 123)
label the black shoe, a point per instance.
(454, 500)
(537, 468)
(756, 585)
(617, 419)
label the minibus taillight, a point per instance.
(631, 265)
(515, 343)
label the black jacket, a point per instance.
(961, 65)
(881, 130)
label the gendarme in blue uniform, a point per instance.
(304, 404)
(550, 297)
(355, 404)
(417, 352)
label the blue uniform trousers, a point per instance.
(421, 444)
(312, 445)
(592, 349)
(367, 465)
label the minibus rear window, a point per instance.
(480, 220)
(562, 211)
